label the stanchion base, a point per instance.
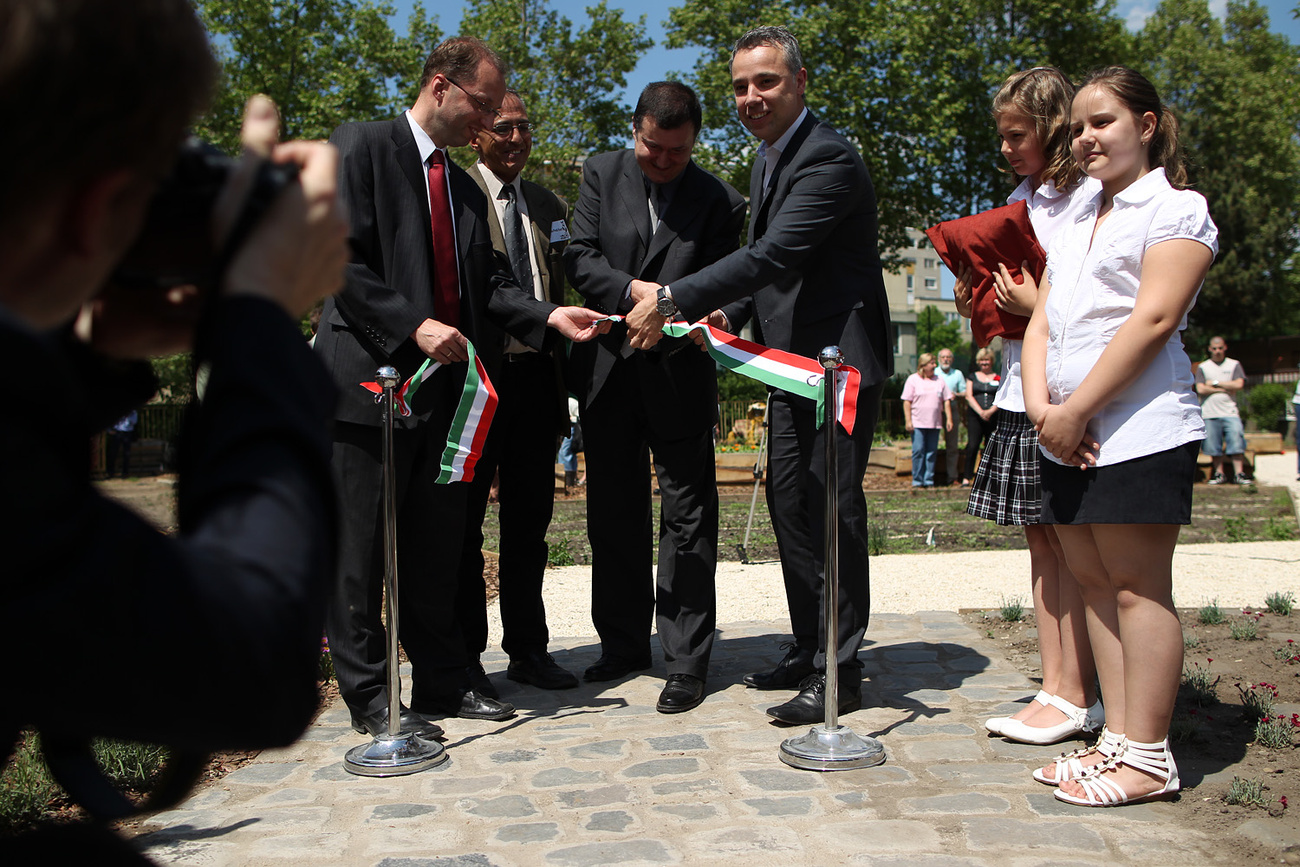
(394, 756)
(837, 749)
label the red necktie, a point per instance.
(446, 283)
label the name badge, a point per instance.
(559, 232)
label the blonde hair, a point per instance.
(923, 359)
(983, 354)
(1044, 94)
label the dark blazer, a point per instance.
(611, 246)
(811, 262)
(544, 210)
(388, 291)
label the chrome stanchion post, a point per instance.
(397, 752)
(831, 746)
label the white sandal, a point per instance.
(995, 724)
(1068, 767)
(1100, 791)
(1077, 721)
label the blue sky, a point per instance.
(659, 61)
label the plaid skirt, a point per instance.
(1007, 488)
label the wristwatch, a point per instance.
(664, 303)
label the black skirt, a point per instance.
(1152, 489)
(1006, 485)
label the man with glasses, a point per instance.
(644, 216)
(423, 282)
(528, 225)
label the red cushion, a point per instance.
(1002, 235)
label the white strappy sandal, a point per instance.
(994, 724)
(1102, 791)
(1068, 767)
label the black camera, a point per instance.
(175, 246)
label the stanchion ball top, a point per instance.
(387, 376)
(830, 357)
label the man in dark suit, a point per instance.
(646, 216)
(412, 293)
(810, 277)
(528, 224)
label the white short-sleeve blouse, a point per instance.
(1049, 209)
(1094, 285)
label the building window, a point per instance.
(910, 281)
(929, 264)
(931, 284)
(898, 339)
(911, 298)
(950, 317)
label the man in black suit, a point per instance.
(646, 216)
(528, 225)
(810, 277)
(411, 294)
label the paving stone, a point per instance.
(598, 797)
(691, 812)
(565, 727)
(964, 803)
(392, 812)
(884, 774)
(505, 757)
(616, 852)
(677, 742)
(988, 834)
(303, 848)
(777, 780)
(609, 820)
(334, 772)
(761, 844)
(1007, 679)
(474, 860)
(919, 860)
(880, 837)
(991, 693)
(530, 832)
(686, 786)
(1270, 832)
(260, 775)
(970, 774)
(971, 662)
(631, 710)
(920, 729)
(910, 655)
(457, 785)
(566, 777)
(599, 750)
(781, 806)
(293, 818)
(896, 683)
(930, 697)
(965, 750)
(663, 767)
(504, 807)
(920, 669)
(288, 797)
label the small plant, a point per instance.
(559, 555)
(26, 787)
(877, 537)
(1257, 700)
(1279, 530)
(1275, 732)
(1288, 652)
(127, 764)
(325, 667)
(1202, 688)
(1244, 630)
(1247, 793)
(1280, 603)
(1237, 529)
(1191, 642)
(1211, 614)
(1184, 727)
(1012, 610)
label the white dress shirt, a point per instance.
(1094, 285)
(1049, 209)
(494, 187)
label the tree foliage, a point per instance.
(933, 332)
(324, 62)
(568, 77)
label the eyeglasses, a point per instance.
(503, 130)
(480, 104)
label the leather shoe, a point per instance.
(789, 672)
(610, 667)
(541, 670)
(469, 705)
(478, 680)
(809, 707)
(376, 724)
(681, 692)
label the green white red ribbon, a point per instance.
(778, 369)
(469, 426)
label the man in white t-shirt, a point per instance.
(956, 381)
(1218, 379)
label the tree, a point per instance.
(910, 84)
(1235, 88)
(933, 332)
(324, 62)
(567, 77)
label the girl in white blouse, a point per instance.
(1109, 388)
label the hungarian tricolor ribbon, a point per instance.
(470, 424)
(778, 369)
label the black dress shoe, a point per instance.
(478, 680)
(541, 670)
(681, 692)
(470, 705)
(809, 708)
(610, 667)
(376, 724)
(789, 672)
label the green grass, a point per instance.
(26, 787)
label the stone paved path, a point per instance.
(595, 776)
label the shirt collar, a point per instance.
(1144, 189)
(784, 141)
(422, 140)
(495, 185)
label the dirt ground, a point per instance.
(1214, 741)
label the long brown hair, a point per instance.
(1139, 96)
(1044, 94)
